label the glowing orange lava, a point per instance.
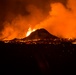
(29, 31)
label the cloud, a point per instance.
(61, 20)
(17, 16)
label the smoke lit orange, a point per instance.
(60, 21)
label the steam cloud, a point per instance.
(57, 18)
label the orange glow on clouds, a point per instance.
(60, 21)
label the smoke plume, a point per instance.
(59, 18)
(19, 16)
(62, 20)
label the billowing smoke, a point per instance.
(57, 17)
(16, 27)
(20, 15)
(62, 20)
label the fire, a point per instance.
(29, 31)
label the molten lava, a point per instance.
(29, 31)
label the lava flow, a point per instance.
(29, 31)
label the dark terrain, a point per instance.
(43, 54)
(45, 59)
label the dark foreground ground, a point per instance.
(38, 59)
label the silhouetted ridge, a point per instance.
(41, 34)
